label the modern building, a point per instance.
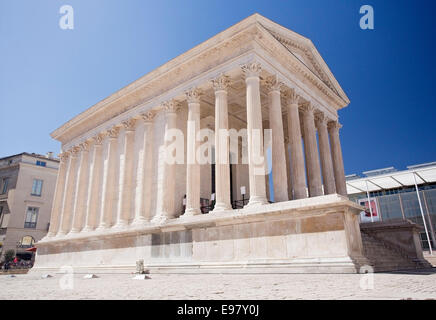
(27, 184)
(128, 162)
(393, 195)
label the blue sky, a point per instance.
(49, 75)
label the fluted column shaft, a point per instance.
(298, 180)
(193, 167)
(70, 191)
(167, 205)
(278, 152)
(311, 151)
(288, 168)
(144, 173)
(58, 195)
(222, 169)
(325, 155)
(81, 188)
(256, 160)
(109, 173)
(126, 175)
(94, 185)
(338, 163)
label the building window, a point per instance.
(31, 217)
(41, 163)
(36, 187)
(5, 183)
(26, 242)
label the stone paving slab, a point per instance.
(420, 285)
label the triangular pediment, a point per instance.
(304, 50)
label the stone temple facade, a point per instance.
(131, 184)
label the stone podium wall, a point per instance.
(289, 237)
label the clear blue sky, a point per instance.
(49, 75)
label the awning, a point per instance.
(392, 180)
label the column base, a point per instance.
(121, 224)
(256, 201)
(140, 222)
(102, 227)
(160, 218)
(191, 212)
(88, 229)
(221, 206)
(60, 234)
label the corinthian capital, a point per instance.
(251, 69)
(148, 116)
(193, 95)
(84, 146)
(171, 106)
(307, 108)
(321, 119)
(98, 139)
(222, 82)
(129, 124)
(64, 156)
(113, 132)
(291, 96)
(273, 84)
(75, 151)
(334, 126)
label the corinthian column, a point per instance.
(222, 169)
(256, 159)
(193, 168)
(109, 173)
(70, 191)
(325, 155)
(144, 173)
(338, 163)
(288, 167)
(126, 175)
(81, 188)
(311, 151)
(94, 184)
(58, 195)
(297, 160)
(278, 152)
(167, 205)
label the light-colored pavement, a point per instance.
(227, 286)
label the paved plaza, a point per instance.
(420, 285)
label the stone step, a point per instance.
(383, 257)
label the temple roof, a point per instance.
(172, 73)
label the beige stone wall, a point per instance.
(320, 239)
(20, 198)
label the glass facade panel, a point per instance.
(390, 207)
(430, 197)
(411, 207)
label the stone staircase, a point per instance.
(385, 256)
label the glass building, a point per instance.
(393, 195)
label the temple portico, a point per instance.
(133, 178)
(123, 183)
